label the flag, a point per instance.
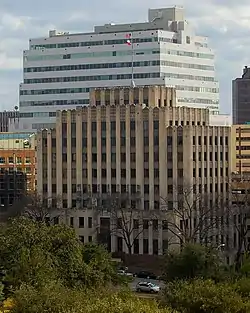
(128, 37)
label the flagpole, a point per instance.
(132, 58)
(130, 42)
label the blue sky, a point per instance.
(226, 22)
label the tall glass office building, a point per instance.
(59, 70)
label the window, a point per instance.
(2, 160)
(155, 224)
(145, 224)
(11, 160)
(136, 224)
(18, 160)
(90, 222)
(155, 247)
(90, 239)
(133, 173)
(28, 170)
(136, 246)
(145, 246)
(164, 225)
(72, 221)
(81, 222)
(81, 238)
(123, 173)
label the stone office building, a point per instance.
(146, 149)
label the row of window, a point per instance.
(17, 160)
(86, 90)
(38, 126)
(103, 54)
(38, 114)
(145, 245)
(197, 100)
(112, 124)
(84, 102)
(54, 102)
(242, 147)
(243, 138)
(90, 78)
(18, 169)
(209, 140)
(91, 43)
(79, 67)
(82, 55)
(208, 172)
(211, 154)
(81, 222)
(187, 65)
(124, 41)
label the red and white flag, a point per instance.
(128, 37)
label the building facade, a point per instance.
(60, 70)
(13, 185)
(135, 150)
(241, 98)
(18, 154)
(7, 118)
(241, 149)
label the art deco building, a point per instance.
(146, 150)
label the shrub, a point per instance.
(204, 296)
(57, 299)
(193, 261)
(242, 286)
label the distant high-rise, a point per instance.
(60, 70)
(241, 98)
(7, 117)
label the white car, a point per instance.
(124, 273)
(145, 286)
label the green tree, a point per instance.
(193, 260)
(34, 253)
(204, 296)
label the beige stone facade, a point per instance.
(146, 149)
(241, 149)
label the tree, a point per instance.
(37, 208)
(191, 217)
(238, 212)
(204, 296)
(192, 261)
(34, 253)
(127, 219)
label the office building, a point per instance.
(139, 150)
(13, 185)
(241, 98)
(7, 117)
(61, 69)
(18, 154)
(240, 149)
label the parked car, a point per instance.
(147, 275)
(145, 286)
(125, 273)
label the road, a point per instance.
(137, 280)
